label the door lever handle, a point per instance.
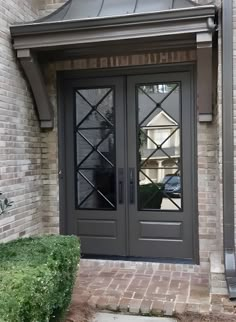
(131, 185)
(121, 185)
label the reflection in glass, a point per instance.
(95, 148)
(96, 197)
(159, 138)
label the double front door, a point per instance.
(129, 165)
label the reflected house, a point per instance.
(159, 116)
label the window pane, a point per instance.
(95, 148)
(159, 115)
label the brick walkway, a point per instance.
(146, 288)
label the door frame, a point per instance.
(64, 76)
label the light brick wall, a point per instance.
(20, 147)
(218, 113)
(49, 141)
(207, 189)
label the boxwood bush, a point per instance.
(37, 277)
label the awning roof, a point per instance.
(81, 9)
(99, 26)
(78, 14)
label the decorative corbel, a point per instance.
(204, 77)
(34, 75)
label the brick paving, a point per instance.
(147, 288)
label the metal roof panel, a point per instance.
(57, 15)
(82, 9)
(183, 4)
(115, 8)
(153, 5)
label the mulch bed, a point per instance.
(80, 312)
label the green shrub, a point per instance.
(37, 277)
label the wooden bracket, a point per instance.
(34, 75)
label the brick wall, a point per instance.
(218, 118)
(207, 190)
(20, 151)
(49, 143)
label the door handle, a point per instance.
(121, 185)
(131, 185)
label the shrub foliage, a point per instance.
(37, 277)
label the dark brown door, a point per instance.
(95, 140)
(160, 165)
(129, 165)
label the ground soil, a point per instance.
(191, 317)
(80, 313)
(84, 313)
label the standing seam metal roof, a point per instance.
(83, 9)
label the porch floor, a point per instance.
(147, 288)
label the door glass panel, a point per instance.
(159, 151)
(95, 149)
